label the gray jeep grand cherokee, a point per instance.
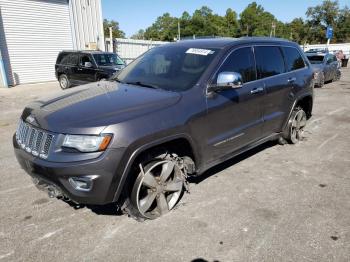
(174, 112)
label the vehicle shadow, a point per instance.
(232, 161)
(107, 210)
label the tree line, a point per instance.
(254, 20)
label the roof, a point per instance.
(226, 42)
(315, 53)
(86, 51)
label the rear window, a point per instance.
(68, 59)
(293, 59)
(269, 61)
(60, 57)
(315, 59)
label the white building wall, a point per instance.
(87, 24)
(33, 32)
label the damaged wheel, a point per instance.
(157, 189)
(296, 125)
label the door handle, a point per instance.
(291, 80)
(257, 90)
(80, 69)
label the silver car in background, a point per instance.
(325, 66)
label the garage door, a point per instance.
(34, 32)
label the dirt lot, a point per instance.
(275, 203)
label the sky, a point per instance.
(133, 15)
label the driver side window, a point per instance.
(84, 59)
(240, 61)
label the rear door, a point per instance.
(278, 85)
(71, 68)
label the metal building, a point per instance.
(32, 32)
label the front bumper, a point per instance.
(56, 175)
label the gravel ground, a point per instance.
(274, 203)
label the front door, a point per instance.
(234, 116)
(84, 73)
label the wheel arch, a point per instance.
(305, 102)
(182, 142)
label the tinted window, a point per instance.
(240, 61)
(108, 59)
(170, 67)
(69, 59)
(61, 57)
(65, 59)
(315, 59)
(269, 61)
(74, 59)
(293, 58)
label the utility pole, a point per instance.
(111, 39)
(247, 30)
(178, 31)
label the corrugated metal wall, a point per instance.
(129, 49)
(34, 32)
(87, 26)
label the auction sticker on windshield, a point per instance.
(198, 51)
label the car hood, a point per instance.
(112, 68)
(88, 109)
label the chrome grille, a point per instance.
(33, 140)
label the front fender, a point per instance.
(135, 150)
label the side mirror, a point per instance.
(88, 64)
(227, 80)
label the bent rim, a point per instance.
(159, 189)
(297, 126)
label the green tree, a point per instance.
(255, 21)
(298, 30)
(163, 29)
(319, 17)
(116, 32)
(139, 35)
(343, 25)
(231, 23)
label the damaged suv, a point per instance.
(174, 112)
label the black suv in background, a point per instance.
(174, 112)
(81, 67)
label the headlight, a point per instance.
(87, 143)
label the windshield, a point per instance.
(315, 59)
(174, 68)
(108, 59)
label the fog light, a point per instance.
(82, 183)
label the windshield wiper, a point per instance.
(117, 80)
(139, 83)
